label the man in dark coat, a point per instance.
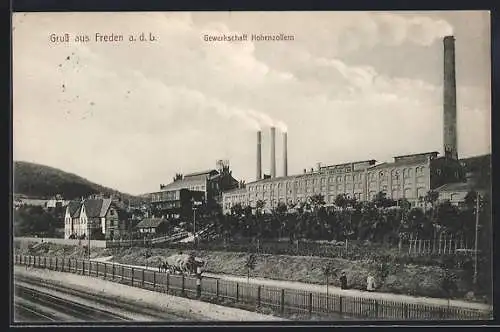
(343, 281)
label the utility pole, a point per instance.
(88, 236)
(194, 225)
(475, 244)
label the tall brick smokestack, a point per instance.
(273, 152)
(259, 155)
(285, 154)
(449, 100)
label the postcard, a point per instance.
(251, 166)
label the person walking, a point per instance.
(198, 281)
(343, 281)
(370, 283)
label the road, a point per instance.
(35, 302)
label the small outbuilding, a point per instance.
(152, 226)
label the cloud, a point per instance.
(147, 111)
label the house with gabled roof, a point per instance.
(94, 215)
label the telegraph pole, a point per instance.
(475, 244)
(88, 236)
(194, 225)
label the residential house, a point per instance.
(101, 215)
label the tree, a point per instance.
(327, 271)
(447, 217)
(381, 201)
(237, 210)
(250, 263)
(317, 201)
(431, 197)
(341, 201)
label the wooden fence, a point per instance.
(442, 245)
(282, 300)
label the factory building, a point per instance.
(206, 187)
(408, 176)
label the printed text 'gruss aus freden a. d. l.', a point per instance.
(253, 37)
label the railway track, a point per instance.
(77, 311)
(122, 305)
(24, 313)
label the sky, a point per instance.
(348, 86)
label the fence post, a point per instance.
(282, 302)
(237, 292)
(183, 284)
(340, 304)
(258, 295)
(56, 263)
(123, 272)
(142, 282)
(45, 262)
(168, 282)
(113, 271)
(217, 288)
(405, 310)
(132, 277)
(310, 303)
(83, 267)
(105, 268)
(154, 280)
(376, 309)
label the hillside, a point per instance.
(35, 180)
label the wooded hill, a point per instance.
(40, 181)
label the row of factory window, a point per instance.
(330, 198)
(346, 187)
(407, 174)
(394, 193)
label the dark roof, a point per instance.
(279, 178)
(459, 187)
(207, 172)
(73, 207)
(150, 222)
(96, 208)
(184, 183)
(349, 163)
(476, 163)
(409, 162)
(93, 207)
(418, 154)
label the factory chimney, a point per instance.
(259, 155)
(449, 100)
(273, 152)
(285, 154)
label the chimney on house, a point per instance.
(259, 155)
(285, 154)
(273, 152)
(449, 100)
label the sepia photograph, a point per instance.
(246, 166)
